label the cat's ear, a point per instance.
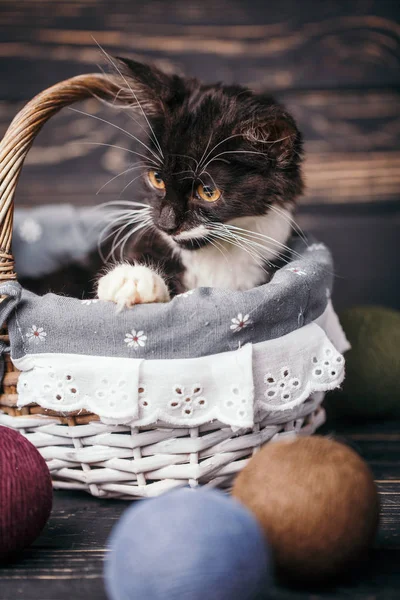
(143, 87)
(273, 132)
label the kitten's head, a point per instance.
(218, 152)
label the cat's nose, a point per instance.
(167, 220)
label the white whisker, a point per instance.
(110, 60)
(262, 236)
(227, 162)
(117, 242)
(233, 152)
(257, 258)
(257, 239)
(121, 148)
(217, 246)
(208, 143)
(212, 179)
(141, 231)
(291, 221)
(120, 175)
(257, 245)
(130, 183)
(103, 238)
(126, 216)
(219, 144)
(264, 247)
(189, 157)
(130, 218)
(111, 220)
(127, 107)
(81, 112)
(246, 237)
(185, 171)
(130, 203)
(272, 142)
(234, 240)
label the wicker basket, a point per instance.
(81, 451)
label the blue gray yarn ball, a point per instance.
(187, 544)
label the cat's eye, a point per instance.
(208, 193)
(156, 180)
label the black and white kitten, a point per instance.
(224, 172)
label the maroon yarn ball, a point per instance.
(26, 493)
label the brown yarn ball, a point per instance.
(317, 503)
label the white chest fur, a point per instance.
(232, 267)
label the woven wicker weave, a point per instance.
(108, 460)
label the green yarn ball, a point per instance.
(371, 387)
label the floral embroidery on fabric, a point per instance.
(89, 302)
(135, 339)
(143, 400)
(239, 403)
(36, 335)
(30, 231)
(62, 388)
(188, 400)
(112, 391)
(287, 387)
(281, 387)
(240, 322)
(327, 366)
(297, 271)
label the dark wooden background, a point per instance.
(336, 64)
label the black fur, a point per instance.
(261, 164)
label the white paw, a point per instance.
(127, 285)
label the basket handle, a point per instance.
(20, 135)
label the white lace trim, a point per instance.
(67, 382)
(276, 375)
(330, 323)
(179, 392)
(316, 367)
(198, 390)
(293, 367)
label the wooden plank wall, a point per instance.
(336, 64)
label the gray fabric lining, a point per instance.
(207, 321)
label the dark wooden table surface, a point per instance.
(66, 562)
